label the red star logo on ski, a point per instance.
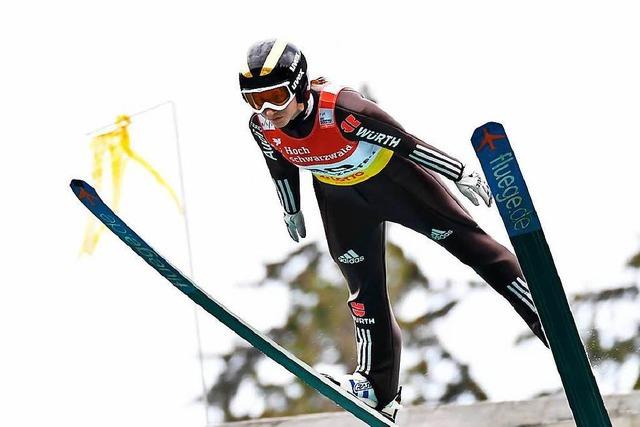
(84, 194)
(488, 140)
(357, 308)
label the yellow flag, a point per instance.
(117, 146)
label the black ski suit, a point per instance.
(407, 190)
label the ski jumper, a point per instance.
(366, 171)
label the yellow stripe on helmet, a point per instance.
(245, 71)
(274, 55)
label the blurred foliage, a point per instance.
(609, 325)
(610, 334)
(603, 342)
(634, 262)
(319, 330)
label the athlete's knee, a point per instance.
(362, 272)
(480, 250)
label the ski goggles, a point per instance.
(276, 97)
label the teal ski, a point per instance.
(525, 232)
(88, 196)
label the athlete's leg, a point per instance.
(423, 203)
(356, 240)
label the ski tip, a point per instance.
(492, 124)
(77, 183)
(83, 191)
(486, 135)
(81, 184)
(489, 125)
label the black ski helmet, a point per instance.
(270, 62)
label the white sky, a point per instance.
(105, 341)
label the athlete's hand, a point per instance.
(295, 225)
(473, 183)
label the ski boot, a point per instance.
(357, 385)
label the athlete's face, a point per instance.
(281, 118)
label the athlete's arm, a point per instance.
(362, 120)
(285, 175)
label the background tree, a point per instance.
(609, 324)
(611, 331)
(320, 331)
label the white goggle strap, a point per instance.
(262, 89)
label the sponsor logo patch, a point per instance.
(378, 137)
(350, 124)
(296, 82)
(300, 150)
(440, 234)
(342, 179)
(322, 158)
(350, 257)
(267, 149)
(295, 61)
(361, 386)
(326, 117)
(357, 308)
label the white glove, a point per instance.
(295, 225)
(472, 182)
